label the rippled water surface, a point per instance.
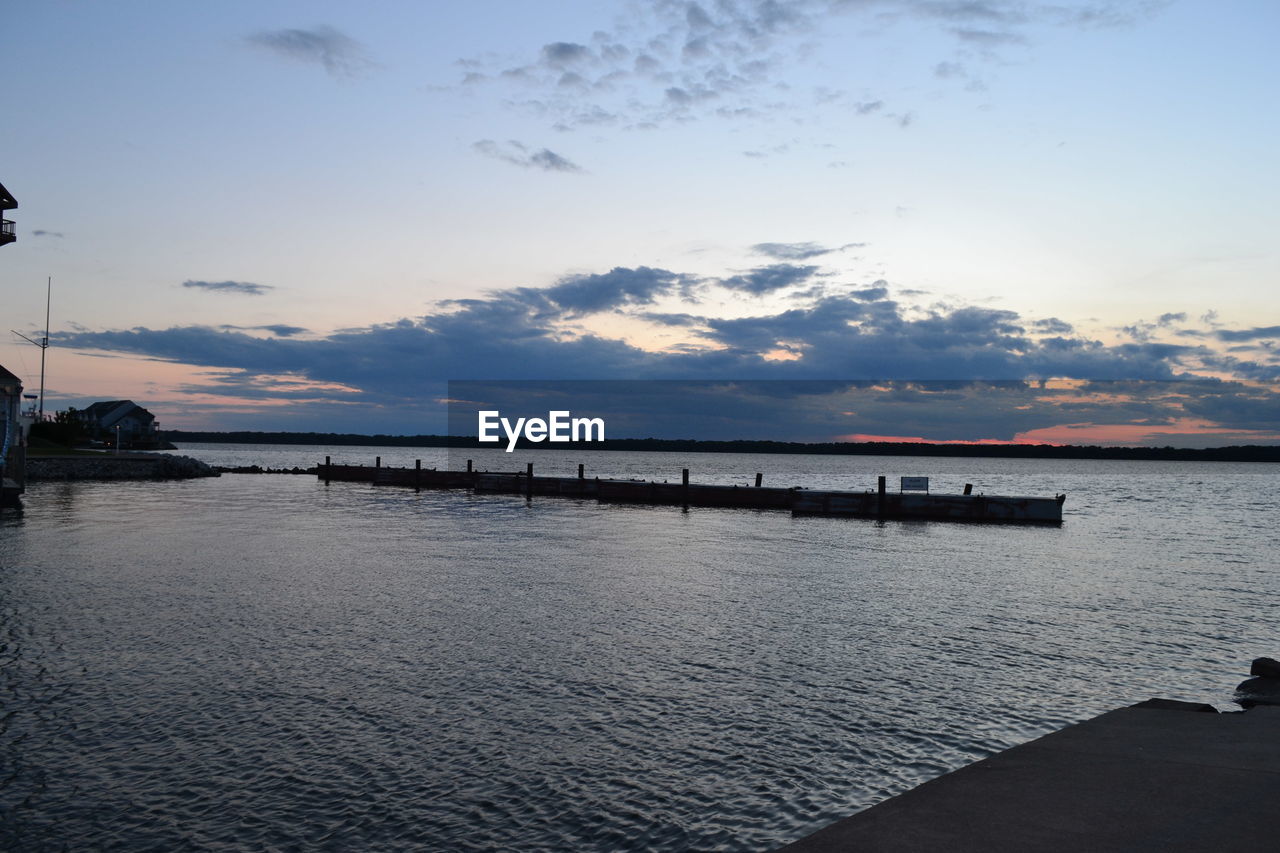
(264, 662)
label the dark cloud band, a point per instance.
(245, 287)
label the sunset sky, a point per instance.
(311, 216)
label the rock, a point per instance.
(258, 469)
(1258, 691)
(1266, 667)
(135, 466)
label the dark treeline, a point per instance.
(1245, 453)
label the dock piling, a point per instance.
(417, 475)
(684, 487)
(326, 470)
(880, 502)
(377, 462)
(759, 479)
(968, 488)
(468, 466)
(581, 471)
(528, 485)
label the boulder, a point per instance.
(1260, 690)
(1266, 667)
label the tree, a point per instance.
(66, 428)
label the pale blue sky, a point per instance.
(1101, 165)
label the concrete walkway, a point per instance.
(1158, 776)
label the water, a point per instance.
(263, 662)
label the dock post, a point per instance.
(468, 466)
(580, 472)
(528, 485)
(377, 462)
(759, 477)
(880, 498)
(417, 475)
(326, 470)
(968, 488)
(684, 487)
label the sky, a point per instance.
(313, 216)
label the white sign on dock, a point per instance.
(914, 484)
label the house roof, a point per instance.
(108, 412)
(7, 201)
(102, 409)
(10, 385)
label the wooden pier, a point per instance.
(1160, 776)
(878, 503)
(990, 508)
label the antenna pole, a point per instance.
(43, 343)
(44, 348)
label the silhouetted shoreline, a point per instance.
(1241, 453)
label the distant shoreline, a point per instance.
(1242, 453)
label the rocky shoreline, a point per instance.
(135, 466)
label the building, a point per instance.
(13, 439)
(7, 202)
(135, 426)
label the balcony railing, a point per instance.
(6, 231)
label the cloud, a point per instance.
(762, 280)
(519, 154)
(668, 319)
(563, 53)
(674, 60)
(828, 332)
(667, 61)
(579, 295)
(1253, 334)
(1193, 412)
(1142, 330)
(283, 330)
(1053, 326)
(518, 332)
(335, 52)
(279, 329)
(620, 286)
(245, 287)
(875, 293)
(799, 251)
(1236, 406)
(988, 38)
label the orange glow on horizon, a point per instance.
(915, 439)
(1089, 434)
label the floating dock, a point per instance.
(879, 503)
(1172, 777)
(941, 507)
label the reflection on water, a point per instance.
(266, 662)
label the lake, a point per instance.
(266, 662)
